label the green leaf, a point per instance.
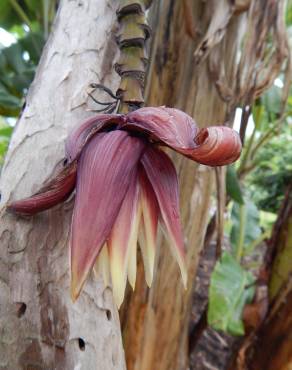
(9, 105)
(5, 132)
(16, 73)
(232, 185)
(267, 184)
(34, 6)
(289, 14)
(272, 99)
(33, 43)
(245, 227)
(14, 57)
(19, 82)
(18, 31)
(230, 289)
(3, 150)
(7, 15)
(267, 219)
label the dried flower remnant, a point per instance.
(125, 185)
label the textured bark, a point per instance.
(155, 321)
(40, 327)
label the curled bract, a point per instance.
(216, 146)
(54, 192)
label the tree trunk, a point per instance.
(40, 327)
(155, 321)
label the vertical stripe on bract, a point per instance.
(105, 170)
(132, 263)
(149, 223)
(163, 178)
(102, 266)
(123, 239)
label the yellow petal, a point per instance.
(165, 187)
(123, 240)
(132, 262)
(102, 267)
(148, 229)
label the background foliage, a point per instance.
(255, 187)
(28, 23)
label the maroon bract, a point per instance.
(125, 185)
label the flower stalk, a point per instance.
(132, 64)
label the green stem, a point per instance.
(52, 12)
(246, 153)
(248, 168)
(246, 156)
(266, 234)
(263, 140)
(240, 242)
(46, 9)
(269, 133)
(21, 13)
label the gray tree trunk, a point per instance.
(40, 328)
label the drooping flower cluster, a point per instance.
(125, 185)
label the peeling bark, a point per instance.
(221, 13)
(40, 327)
